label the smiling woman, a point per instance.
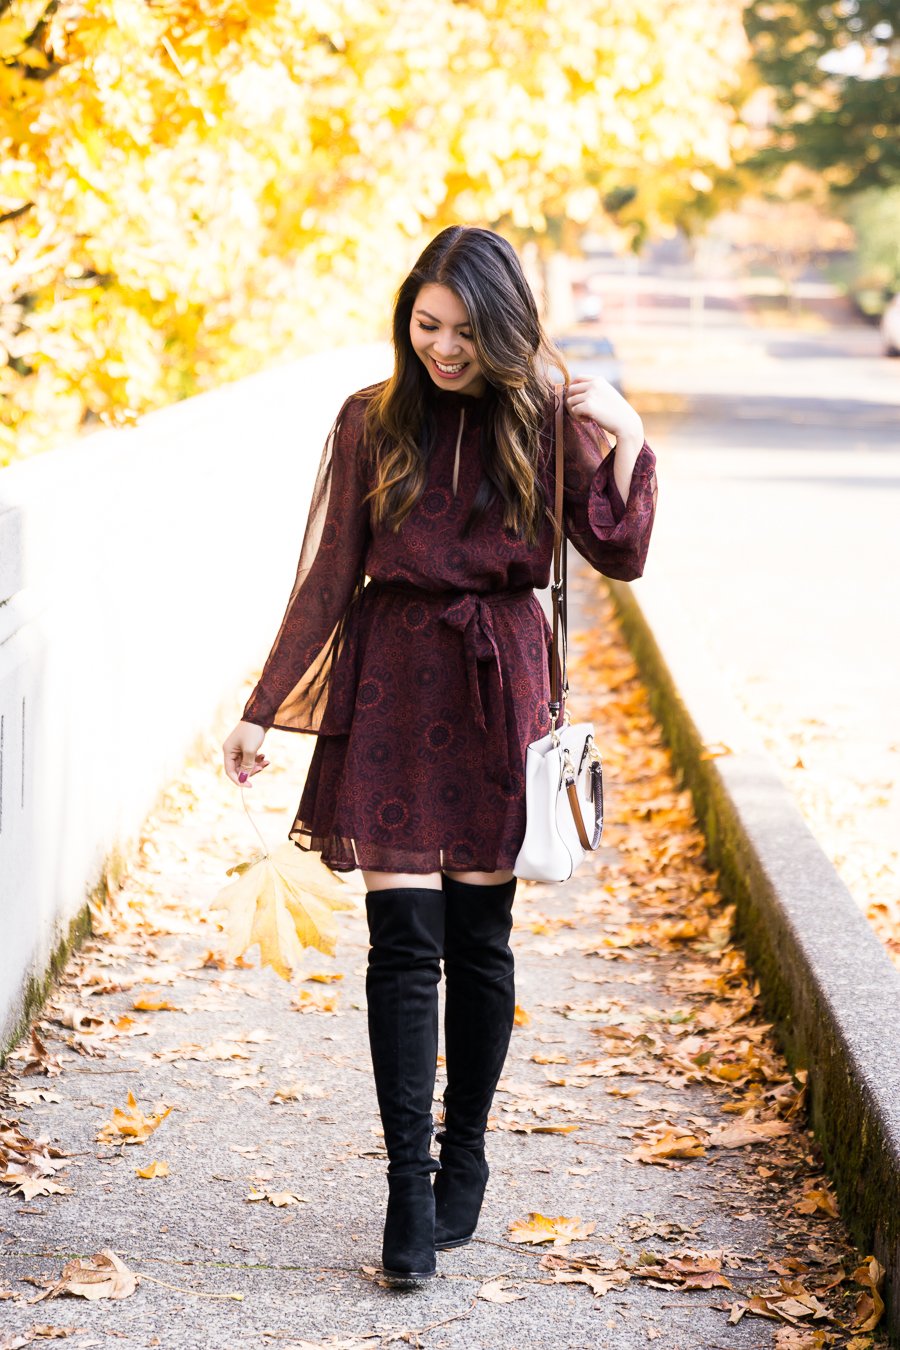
(415, 648)
(441, 336)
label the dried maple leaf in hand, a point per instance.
(285, 902)
(131, 1125)
(813, 1200)
(869, 1307)
(156, 1169)
(104, 1276)
(535, 1228)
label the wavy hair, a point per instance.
(483, 270)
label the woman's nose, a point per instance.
(447, 344)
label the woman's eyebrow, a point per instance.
(434, 320)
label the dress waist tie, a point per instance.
(470, 613)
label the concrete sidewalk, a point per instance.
(639, 1038)
(778, 541)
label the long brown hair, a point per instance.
(484, 272)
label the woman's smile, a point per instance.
(449, 372)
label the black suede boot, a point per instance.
(478, 1022)
(406, 929)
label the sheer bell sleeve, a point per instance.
(292, 692)
(611, 534)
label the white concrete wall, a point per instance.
(143, 574)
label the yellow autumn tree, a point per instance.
(192, 188)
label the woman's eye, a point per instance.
(428, 327)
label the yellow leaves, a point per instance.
(104, 1276)
(312, 1001)
(285, 902)
(323, 976)
(156, 1169)
(521, 1018)
(131, 1126)
(535, 1229)
(431, 114)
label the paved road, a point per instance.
(779, 534)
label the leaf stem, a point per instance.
(253, 822)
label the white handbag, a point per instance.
(563, 771)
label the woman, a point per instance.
(425, 685)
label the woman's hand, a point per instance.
(242, 752)
(598, 401)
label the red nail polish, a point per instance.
(242, 778)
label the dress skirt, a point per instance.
(443, 692)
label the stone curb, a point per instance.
(827, 982)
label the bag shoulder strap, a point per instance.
(558, 672)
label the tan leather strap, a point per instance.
(557, 680)
(572, 794)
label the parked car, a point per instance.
(591, 356)
(890, 327)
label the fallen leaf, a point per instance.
(597, 1283)
(104, 1276)
(494, 1292)
(284, 902)
(298, 1092)
(29, 1187)
(550, 1059)
(278, 1198)
(736, 1136)
(132, 1125)
(813, 1200)
(869, 1307)
(146, 1003)
(323, 976)
(521, 1017)
(31, 1096)
(39, 1060)
(535, 1228)
(312, 1001)
(667, 1146)
(156, 1169)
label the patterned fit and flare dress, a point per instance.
(419, 657)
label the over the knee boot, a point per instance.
(406, 929)
(478, 1021)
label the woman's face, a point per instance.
(440, 334)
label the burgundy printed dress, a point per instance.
(420, 658)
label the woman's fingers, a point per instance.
(242, 754)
